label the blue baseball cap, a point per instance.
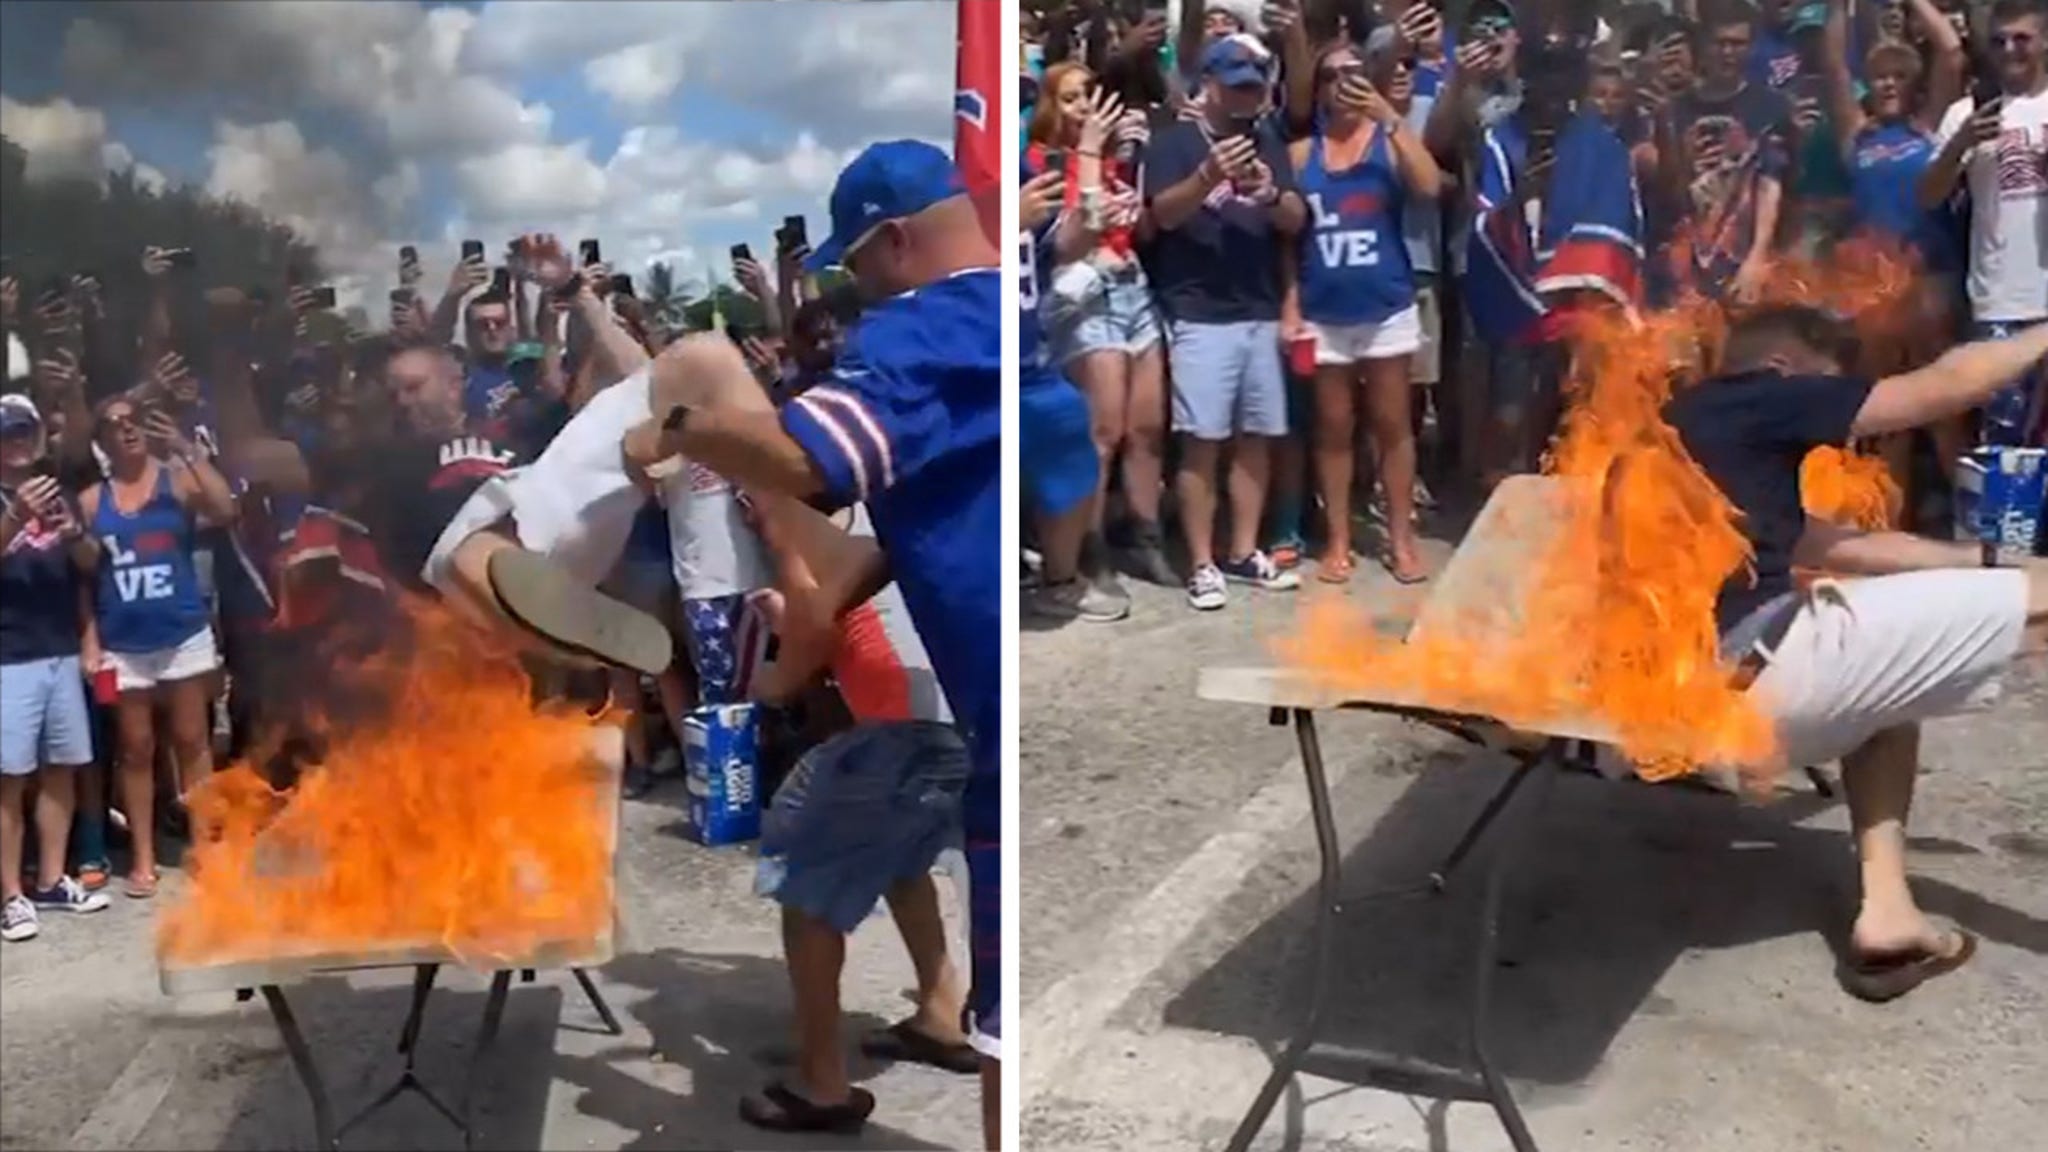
(1234, 64)
(887, 181)
(18, 412)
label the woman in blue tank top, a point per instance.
(1350, 293)
(150, 624)
(1889, 140)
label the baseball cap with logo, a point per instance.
(1234, 64)
(18, 412)
(887, 181)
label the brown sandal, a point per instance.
(1881, 977)
(139, 887)
(1334, 569)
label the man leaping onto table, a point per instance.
(910, 423)
(1848, 671)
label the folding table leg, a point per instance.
(1494, 807)
(1486, 957)
(597, 1001)
(324, 1134)
(1329, 893)
(422, 986)
(487, 1035)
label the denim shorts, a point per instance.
(43, 716)
(1120, 318)
(862, 811)
(1228, 379)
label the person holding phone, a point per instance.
(45, 724)
(1103, 332)
(151, 625)
(1998, 137)
(1350, 293)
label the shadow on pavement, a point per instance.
(705, 1016)
(1614, 883)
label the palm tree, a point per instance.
(666, 299)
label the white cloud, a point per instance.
(533, 181)
(873, 69)
(638, 76)
(62, 139)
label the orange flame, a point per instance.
(1613, 623)
(455, 815)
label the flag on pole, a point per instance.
(977, 148)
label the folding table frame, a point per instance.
(327, 1134)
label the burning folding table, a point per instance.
(1495, 558)
(271, 965)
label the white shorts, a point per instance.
(1341, 344)
(574, 504)
(1866, 655)
(137, 670)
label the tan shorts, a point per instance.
(1863, 656)
(1427, 365)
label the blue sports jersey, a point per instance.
(487, 391)
(911, 422)
(1884, 184)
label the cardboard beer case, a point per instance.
(2000, 493)
(721, 763)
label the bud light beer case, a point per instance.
(1999, 497)
(721, 761)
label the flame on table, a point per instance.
(1614, 624)
(448, 811)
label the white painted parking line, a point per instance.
(1069, 1017)
(124, 1109)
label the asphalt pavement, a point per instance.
(94, 1056)
(1667, 981)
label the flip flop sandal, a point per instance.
(92, 875)
(139, 888)
(777, 1109)
(1387, 562)
(1881, 977)
(903, 1043)
(1334, 570)
(543, 598)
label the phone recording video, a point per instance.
(181, 258)
(501, 280)
(472, 250)
(323, 296)
(408, 255)
(741, 252)
(590, 252)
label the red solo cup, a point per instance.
(1301, 355)
(106, 686)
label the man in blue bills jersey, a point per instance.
(909, 422)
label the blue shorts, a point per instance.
(2014, 418)
(1120, 318)
(43, 716)
(862, 811)
(1055, 443)
(727, 639)
(1228, 380)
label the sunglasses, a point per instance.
(491, 322)
(1342, 72)
(121, 420)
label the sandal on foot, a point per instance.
(1334, 569)
(542, 597)
(778, 1109)
(905, 1043)
(92, 875)
(139, 887)
(1881, 977)
(1400, 577)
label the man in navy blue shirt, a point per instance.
(909, 422)
(1220, 199)
(1901, 630)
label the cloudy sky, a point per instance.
(670, 130)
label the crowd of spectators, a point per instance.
(1309, 256)
(201, 521)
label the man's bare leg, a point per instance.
(816, 954)
(1879, 778)
(914, 905)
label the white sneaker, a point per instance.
(18, 920)
(1079, 599)
(68, 895)
(1206, 590)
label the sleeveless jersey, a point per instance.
(148, 583)
(1354, 257)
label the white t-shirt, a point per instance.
(716, 552)
(2008, 187)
